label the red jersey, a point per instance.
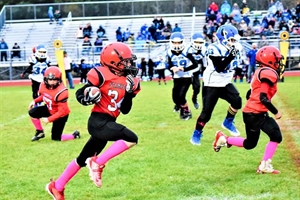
(56, 101)
(112, 88)
(253, 104)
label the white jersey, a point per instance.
(198, 56)
(180, 60)
(38, 68)
(210, 76)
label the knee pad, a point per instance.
(237, 103)
(248, 145)
(276, 136)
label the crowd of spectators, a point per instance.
(277, 19)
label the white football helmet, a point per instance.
(177, 41)
(197, 41)
(41, 52)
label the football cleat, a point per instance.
(76, 134)
(95, 170)
(176, 109)
(229, 125)
(57, 195)
(196, 104)
(266, 167)
(196, 137)
(185, 114)
(38, 135)
(220, 141)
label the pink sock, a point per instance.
(66, 176)
(115, 149)
(236, 141)
(65, 137)
(37, 124)
(270, 150)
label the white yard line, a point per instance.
(14, 120)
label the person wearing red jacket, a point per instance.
(255, 112)
(117, 86)
(56, 110)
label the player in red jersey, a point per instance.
(255, 112)
(55, 95)
(118, 86)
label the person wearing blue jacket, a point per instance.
(3, 49)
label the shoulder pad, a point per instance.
(62, 95)
(212, 50)
(268, 74)
(93, 76)
(32, 59)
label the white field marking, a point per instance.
(163, 124)
(14, 120)
(236, 197)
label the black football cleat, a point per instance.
(38, 135)
(76, 134)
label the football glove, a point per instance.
(130, 83)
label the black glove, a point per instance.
(89, 98)
(130, 83)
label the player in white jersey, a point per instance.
(222, 57)
(198, 51)
(38, 62)
(180, 62)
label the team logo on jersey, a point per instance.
(210, 51)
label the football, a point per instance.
(91, 93)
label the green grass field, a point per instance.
(163, 166)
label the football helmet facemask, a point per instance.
(52, 73)
(118, 57)
(177, 41)
(269, 56)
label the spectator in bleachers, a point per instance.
(50, 14)
(98, 45)
(246, 19)
(3, 49)
(58, 17)
(279, 5)
(295, 30)
(144, 30)
(126, 34)
(86, 46)
(235, 13)
(153, 31)
(297, 12)
(161, 23)
(166, 32)
(264, 23)
(225, 9)
(286, 15)
(87, 30)
(155, 22)
(212, 16)
(119, 35)
(283, 26)
(101, 32)
(224, 19)
(140, 37)
(255, 22)
(245, 8)
(16, 51)
(131, 40)
(242, 27)
(268, 31)
(214, 7)
(249, 33)
(278, 15)
(79, 33)
(272, 22)
(176, 28)
(263, 41)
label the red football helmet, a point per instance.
(269, 56)
(52, 73)
(118, 57)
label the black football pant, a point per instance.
(254, 123)
(57, 126)
(35, 86)
(103, 128)
(180, 88)
(210, 97)
(196, 85)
